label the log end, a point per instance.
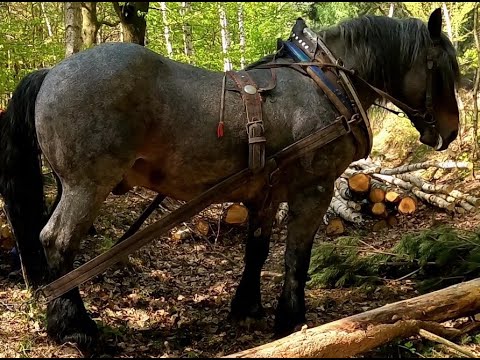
(407, 205)
(236, 214)
(359, 183)
(335, 227)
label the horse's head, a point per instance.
(429, 88)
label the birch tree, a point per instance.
(241, 31)
(47, 21)
(392, 8)
(187, 31)
(227, 64)
(166, 29)
(73, 28)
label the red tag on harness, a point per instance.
(220, 129)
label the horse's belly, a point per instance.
(183, 182)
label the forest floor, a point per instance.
(173, 299)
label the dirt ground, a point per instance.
(173, 299)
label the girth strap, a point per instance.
(255, 130)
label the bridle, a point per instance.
(426, 117)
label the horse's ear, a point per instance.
(435, 24)
(299, 25)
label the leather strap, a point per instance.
(255, 130)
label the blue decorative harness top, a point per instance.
(298, 55)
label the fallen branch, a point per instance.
(365, 331)
(432, 337)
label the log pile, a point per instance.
(366, 191)
(369, 195)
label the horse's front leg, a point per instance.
(306, 210)
(247, 301)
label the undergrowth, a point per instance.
(433, 258)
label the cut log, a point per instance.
(202, 227)
(407, 205)
(181, 234)
(394, 181)
(359, 183)
(380, 225)
(340, 208)
(421, 166)
(379, 209)
(329, 214)
(425, 185)
(366, 331)
(392, 197)
(236, 214)
(434, 200)
(335, 227)
(467, 206)
(349, 203)
(376, 195)
(341, 185)
(469, 198)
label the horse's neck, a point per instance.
(337, 46)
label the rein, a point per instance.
(401, 105)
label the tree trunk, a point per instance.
(47, 21)
(241, 31)
(448, 23)
(477, 81)
(434, 200)
(449, 164)
(390, 12)
(187, 31)
(132, 17)
(365, 331)
(166, 29)
(90, 23)
(73, 27)
(227, 65)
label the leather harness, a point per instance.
(330, 75)
(333, 82)
(253, 107)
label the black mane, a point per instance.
(389, 46)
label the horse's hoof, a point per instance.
(285, 325)
(82, 332)
(241, 311)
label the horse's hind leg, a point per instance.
(67, 319)
(247, 300)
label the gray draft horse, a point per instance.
(119, 115)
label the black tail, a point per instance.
(21, 181)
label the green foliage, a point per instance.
(341, 265)
(444, 255)
(440, 257)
